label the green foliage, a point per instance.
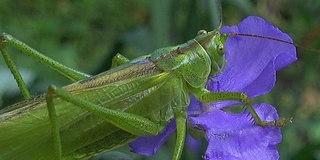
(85, 35)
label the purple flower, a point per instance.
(235, 136)
(251, 68)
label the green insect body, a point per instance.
(134, 98)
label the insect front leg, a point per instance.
(206, 96)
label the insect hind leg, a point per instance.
(15, 72)
(8, 40)
(129, 122)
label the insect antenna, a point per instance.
(275, 39)
(220, 11)
(215, 13)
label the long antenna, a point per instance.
(260, 36)
(220, 9)
(274, 39)
(215, 13)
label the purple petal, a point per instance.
(235, 136)
(196, 107)
(150, 145)
(192, 143)
(252, 62)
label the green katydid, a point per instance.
(97, 103)
(114, 107)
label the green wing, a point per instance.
(137, 87)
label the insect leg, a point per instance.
(206, 96)
(54, 124)
(181, 135)
(132, 123)
(15, 72)
(8, 40)
(118, 59)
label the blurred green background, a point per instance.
(85, 35)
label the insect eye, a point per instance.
(221, 49)
(202, 32)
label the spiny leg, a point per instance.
(15, 72)
(181, 135)
(54, 124)
(8, 40)
(279, 123)
(132, 123)
(206, 96)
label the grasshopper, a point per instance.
(105, 111)
(112, 108)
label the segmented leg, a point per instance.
(131, 123)
(206, 96)
(181, 122)
(16, 74)
(8, 40)
(54, 124)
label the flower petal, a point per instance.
(150, 145)
(192, 143)
(252, 61)
(235, 136)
